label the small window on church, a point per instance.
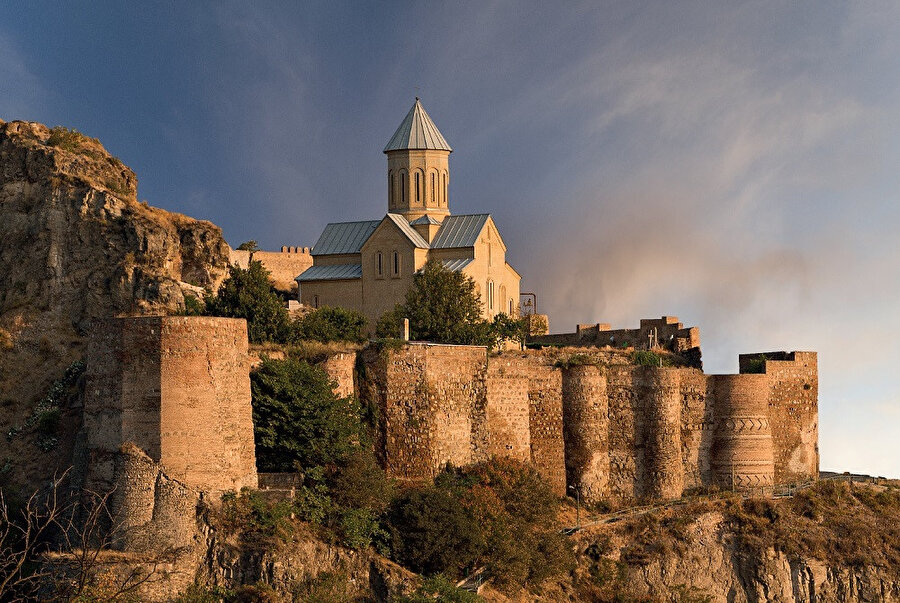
(418, 187)
(445, 189)
(490, 289)
(379, 264)
(510, 308)
(434, 200)
(315, 301)
(396, 265)
(403, 188)
(391, 199)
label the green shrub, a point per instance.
(192, 306)
(259, 521)
(298, 420)
(756, 365)
(439, 588)
(247, 294)
(649, 358)
(331, 324)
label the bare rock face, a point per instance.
(75, 245)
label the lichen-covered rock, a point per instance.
(75, 245)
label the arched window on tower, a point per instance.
(391, 199)
(403, 188)
(418, 187)
(444, 188)
(434, 200)
(490, 295)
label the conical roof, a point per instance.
(417, 131)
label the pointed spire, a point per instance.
(417, 131)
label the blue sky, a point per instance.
(737, 166)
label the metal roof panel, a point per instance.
(336, 272)
(344, 237)
(459, 231)
(417, 131)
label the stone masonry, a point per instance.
(167, 416)
(619, 432)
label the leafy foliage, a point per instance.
(331, 324)
(246, 293)
(439, 588)
(499, 514)
(298, 420)
(442, 306)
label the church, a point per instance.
(369, 265)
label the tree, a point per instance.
(332, 324)
(442, 306)
(246, 293)
(298, 421)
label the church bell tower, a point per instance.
(418, 168)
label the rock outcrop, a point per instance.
(75, 245)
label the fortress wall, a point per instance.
(178, 388)
(433, 408)
(742, 452)
(122, 395)
(624, 417)
(150, 511)
(545, 411)
(793, 411)
(586, 431)
(284, 266)
(658, 391)
(206, 417)
(696, 428)
(507, 413)
(340, 369)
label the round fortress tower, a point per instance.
(660, 396)
(586, 431)
(742, 455)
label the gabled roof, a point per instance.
(344, 237)
(459, 231)
(408, 230)
(426, 220)
(331, 273)
(417, 131)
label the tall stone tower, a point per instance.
(418, 168)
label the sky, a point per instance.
(733, 164)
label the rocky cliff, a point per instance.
(75, 244)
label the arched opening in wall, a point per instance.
(419, 187)
(502, 297)
(315, 301)
(510, 308)
(490, 290)
(434, 200)
(379, 264)
(444, 189)
(402, 188)
(391, 200)
(395, 264)
(490, 255)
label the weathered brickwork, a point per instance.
(283, 266)
(793, 411)
(178, 388)
(611, 431)
(340, 368)
(586, 430)
(742, 450)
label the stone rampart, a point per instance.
(665, 332)
(586, 431)
(178, 388)
(793, 410)
(341, 367)
(658, 392)
(741, 456)
(284, 266)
